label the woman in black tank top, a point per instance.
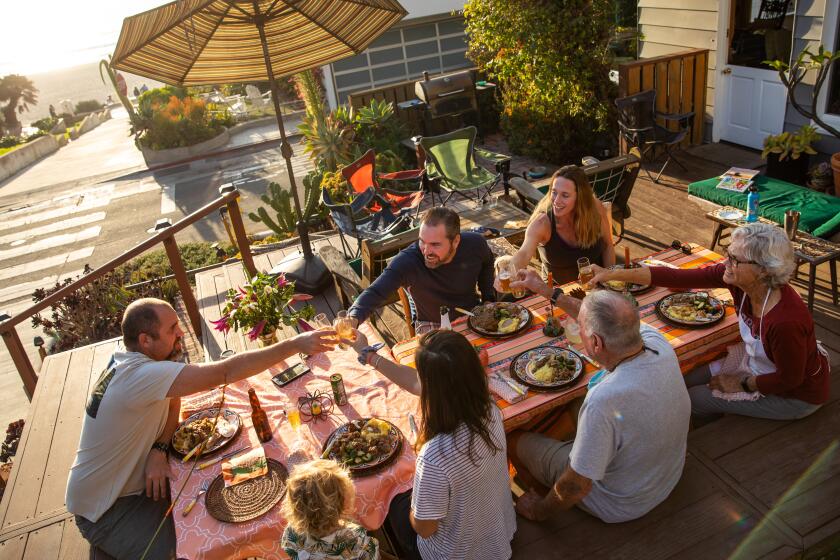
(567, 224)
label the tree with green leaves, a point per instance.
(18, 93)
(551, 61)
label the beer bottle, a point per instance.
(259, 417)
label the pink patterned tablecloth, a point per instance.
(369, 393)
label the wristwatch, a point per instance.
(556, 294)
(373, 348)
(746, 386)
(161, 446)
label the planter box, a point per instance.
(163, 157)
(791, 170)
(14, 161)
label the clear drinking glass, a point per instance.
(585, 273)
(503, 272)
(320, 321)
(344, 328)
(514, 273)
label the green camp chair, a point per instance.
(451, 163)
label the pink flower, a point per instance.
(241, 291)
(281, 280)
(221, 324)
(255, 332)
(300, 297)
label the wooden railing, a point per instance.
(679, 80)
(228, 198)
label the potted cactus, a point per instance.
(788, 153)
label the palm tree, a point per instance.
(18, 92)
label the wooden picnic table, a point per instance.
(693, 347)
(369, 393)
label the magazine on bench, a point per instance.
(737, 179)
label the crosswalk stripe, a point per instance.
(54, 213)
(18, 291)
(50, 242)
(53, 227)
(43, 264)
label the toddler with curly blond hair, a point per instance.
(318, 505)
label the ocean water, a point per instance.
(78, 83)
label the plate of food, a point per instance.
(364, 446)
(621, 286)
(691, 309)
(500, 319)
(198, 427)
(547, 368)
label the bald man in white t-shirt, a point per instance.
(117, 486)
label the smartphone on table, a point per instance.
(290, 374)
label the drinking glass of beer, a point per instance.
(344, 328)
(505, 274)
(514, 274)
(585, 273)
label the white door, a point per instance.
(750, 100)
(753, 105)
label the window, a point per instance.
(828, 104)
(403, 54)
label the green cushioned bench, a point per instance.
(820, 213)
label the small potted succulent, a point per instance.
(788, 153)
(261, 306)
(821, 178)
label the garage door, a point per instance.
(403, 54)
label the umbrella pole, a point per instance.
(309, 273)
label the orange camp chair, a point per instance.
(361, 175)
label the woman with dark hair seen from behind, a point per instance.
(460, 506)
(567, 224)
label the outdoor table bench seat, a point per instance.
(820, 213)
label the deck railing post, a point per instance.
(183, 283)
(241, 237)
(21, 360)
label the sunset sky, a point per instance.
(47, 35)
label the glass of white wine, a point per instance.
(344, 328)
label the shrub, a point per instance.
(9, 141)
(552, 64)
(35, 136)
(88, 106)
(168, 118)
(45, 124)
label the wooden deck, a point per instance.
(750, 489)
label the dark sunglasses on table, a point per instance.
(680, 246)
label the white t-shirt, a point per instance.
(125, 413)
(472, 501)
(631, 436)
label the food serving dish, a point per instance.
(690, 309)
(195, 429)
(547, 368)
(364, 446)
(500, 319)
(621, 286)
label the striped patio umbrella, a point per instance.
(204, 42)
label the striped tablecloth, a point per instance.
(693, 346)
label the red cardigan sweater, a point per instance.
(787, 335)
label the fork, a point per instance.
(204, 486)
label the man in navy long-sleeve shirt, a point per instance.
(442, 268)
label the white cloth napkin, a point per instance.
(505, 391)
(736, 361)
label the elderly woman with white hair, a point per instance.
(782, 360)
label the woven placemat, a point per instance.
(247, 500)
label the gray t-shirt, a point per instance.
(125, 414)
(631, 437)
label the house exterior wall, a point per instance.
(809, 33)
(669, 26)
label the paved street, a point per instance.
(77, 207)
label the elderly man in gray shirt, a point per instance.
(629, 450)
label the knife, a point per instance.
(206, 464)
(465, 312)
(510, 383)
(413, 424)
(590, 360)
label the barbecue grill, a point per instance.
(447, 95)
